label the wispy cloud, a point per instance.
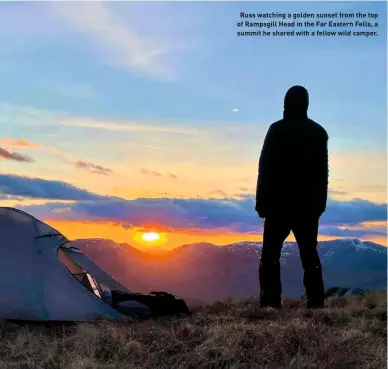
(30, 145)
(153, 173)
(377, 188)
(20, 143)
(64, 156)
(332, 192)
(120, 43)
(8, 155)
(245, 189)
(93, 168)
(220, 193)
(129, 126)
(150, 173)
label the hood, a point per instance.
(296, 103)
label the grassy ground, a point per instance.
(350, 333)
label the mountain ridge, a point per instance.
(212, 272)
(354, 241)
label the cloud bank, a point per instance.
(12, 185)
(342, 218)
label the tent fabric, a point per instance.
(98, 273)
(35, 284)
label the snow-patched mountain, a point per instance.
(208, 272)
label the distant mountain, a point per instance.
(207, 272)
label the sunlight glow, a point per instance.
(150, 236)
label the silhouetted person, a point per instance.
(291, 195)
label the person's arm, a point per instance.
(263, 179)
(323, 175)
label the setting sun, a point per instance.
(150, 236)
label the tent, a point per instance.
(43, 277)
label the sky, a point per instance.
(123, 118)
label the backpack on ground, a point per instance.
(160, 303)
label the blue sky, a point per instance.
(144, 93)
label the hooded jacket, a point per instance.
(293, 165)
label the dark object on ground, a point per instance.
(345, 291)
(357, 292)
(291, 195)
(336, 291)
(159, 303)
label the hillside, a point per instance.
(209, 273)
(349, 334)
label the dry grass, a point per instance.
(350, 333)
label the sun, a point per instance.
(150, 236)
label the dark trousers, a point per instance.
(276, 230)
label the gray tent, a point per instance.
(43, 277)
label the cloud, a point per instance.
(220, 193)
(337, 193)
(196, 214)
(125, 126)
(150, 173)
(353, 212)
(13, 185)
(235, 110)
(20, 143)
(30, 145)
(153, 173)
(97, 169)
(351, 232)
(10, 197)
(8, 155)
(375, 188)
(118, 42)
(66, 157)
(245, 189)
(356, 218)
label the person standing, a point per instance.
(291, 195)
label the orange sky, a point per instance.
(169, 240)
